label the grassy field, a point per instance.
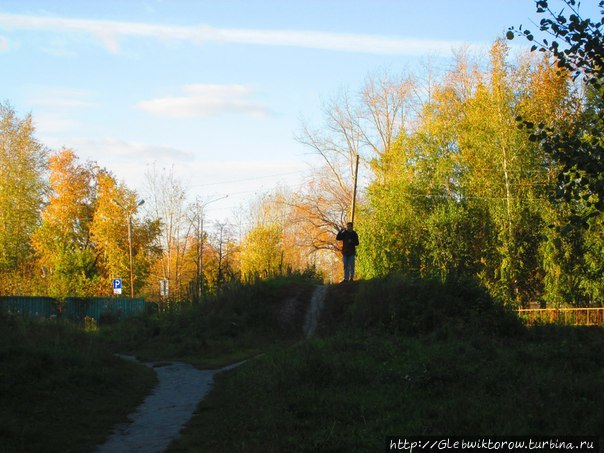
(403, 357)
(60, 389)
(241, 322)
(391, 357)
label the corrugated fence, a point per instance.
(75, 309)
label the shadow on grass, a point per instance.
(407, 357)
(60, 389)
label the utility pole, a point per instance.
(200, 241)
(130, 212)
(354, 193)
(220, 256)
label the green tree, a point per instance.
(364, 123)
(578, 47)
(110, 235)
(262, 252)
(465, 191)
(22, 187)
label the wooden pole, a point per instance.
(130, 248)
(354, 194)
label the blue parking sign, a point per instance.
(117, 286)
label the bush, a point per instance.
(411, 306)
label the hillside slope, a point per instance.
(406, 357)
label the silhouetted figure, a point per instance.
(350, 240)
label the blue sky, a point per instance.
(216, 89)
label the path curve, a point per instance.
(159, 419)
(157, 422)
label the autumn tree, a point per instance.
(110, 235)
(22, 188)
(63, 241)
(364, 123)
(464, 191)
(262, 252)
(575, 146)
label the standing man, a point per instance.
(350, 240)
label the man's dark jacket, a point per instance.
(350, 240)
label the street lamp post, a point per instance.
(129, 212)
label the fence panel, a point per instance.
(73, 308)
(32, 307)
(78, 309)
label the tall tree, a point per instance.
(110, 235)
(22, 187)
(578, 47)
(364, 123)
(166, 203)
(465, 191)
(63, 242)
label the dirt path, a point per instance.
(314, 311)
(160, 418)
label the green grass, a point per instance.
(241, 322)
(404, 357)
(391, 357)
(60, 389)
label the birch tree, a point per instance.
(22, 189)
(365, 123)
(166, 203)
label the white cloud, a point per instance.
(110, 32)
(239, 179)
(53, 122)
(111, 149)
(127, 160)
(55, 110)
(201, 100)
(3, 44)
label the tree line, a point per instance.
(490, 169)
(67, 227)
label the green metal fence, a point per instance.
(75, 309)
(32, 307)
(98, 307)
